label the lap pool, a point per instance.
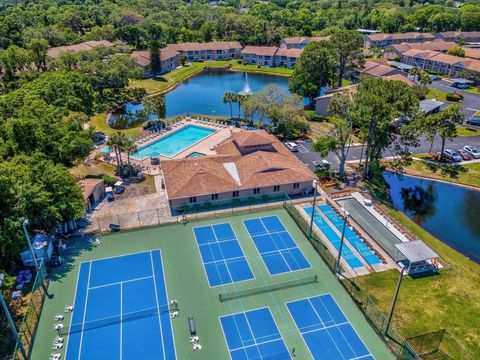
(174, 143)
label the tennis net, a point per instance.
(267, 288)
(107, 321)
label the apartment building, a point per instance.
(169, 60)
(299, 42)
(215, 50)
(456, 36)
(384, 40)
(259, 55)
(84, 46)
(439, 62)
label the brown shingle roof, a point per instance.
(472, 53)
(88, 185)
(410, 35)
(401, 78)
(301, 39)
(85, 46)
(260, 168)
(291, 53)
(260, 50)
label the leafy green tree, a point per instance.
(314, 69)
(376, 105)
(38, 48)
(155, 105)
(444, 123)
(155, 60)
(228, 98)
(456, 51)
(347, 47)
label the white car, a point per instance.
(292, 146)
(472, 151)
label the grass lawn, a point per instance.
(467, 131)
(473, 90)
(440, 95)
(468, 174)
(448, 300)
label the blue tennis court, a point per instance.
(277, 248)
(121, 310)
(351, 236)
(222, 256)
(253, 335)
(325, 329)
(334, 239)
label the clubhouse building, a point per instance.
(251, 163)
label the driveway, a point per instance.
(470, 103)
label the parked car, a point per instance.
(109, 194)
(473, 151)
(292, 146)
(452, 155)
(119, 189)
(435, 77)
(473, 120)
(465, 155)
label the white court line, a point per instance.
(168, 304)
(156, 301)
(120, 282)
(121, 320)
(84, 311)
(74, 306)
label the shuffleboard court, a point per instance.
(325, 329)
(334, 239)
(253, 334)
(222, 255)
(121, 310)
(353, 238)
(276, 246)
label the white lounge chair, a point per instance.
(68, 308)
(58, 317)
(173, 314)
(57, 326)
(55, 356)
(194, 339)
(197, 347)
(57, 346)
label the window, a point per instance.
(296, 185)
(276, 188)
(214, 196)
(193, 199)
(235, 194)
(256, 191)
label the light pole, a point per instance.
(27, 237)
(347, 214)
(10, 321)
(314, 185)
(394, 301)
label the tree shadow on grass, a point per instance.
(159, 78)
(452, 171)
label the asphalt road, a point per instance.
(470, 103)
(307, 156)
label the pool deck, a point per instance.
(205, 146)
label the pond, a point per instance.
(448, 212)
(201, 94)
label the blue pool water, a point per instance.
(174, 143)
(449, 212)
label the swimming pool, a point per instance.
(174, 143)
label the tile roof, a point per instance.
(260, 50)
(272, 164)
(88, 186)
(426, 54)
(410, 35)
(437, 45)
(375, 69)
(85, 46)
(399, 77)
(472, 53)
(291, 53)
(141, 58)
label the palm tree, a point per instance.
(416, 73)
(425, 79)
(229, 97)
(114, 142)
(240, 99)
(129, 147)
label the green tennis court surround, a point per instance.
(128, 284)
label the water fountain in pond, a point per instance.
(246, 88)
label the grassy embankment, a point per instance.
(448, 300)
